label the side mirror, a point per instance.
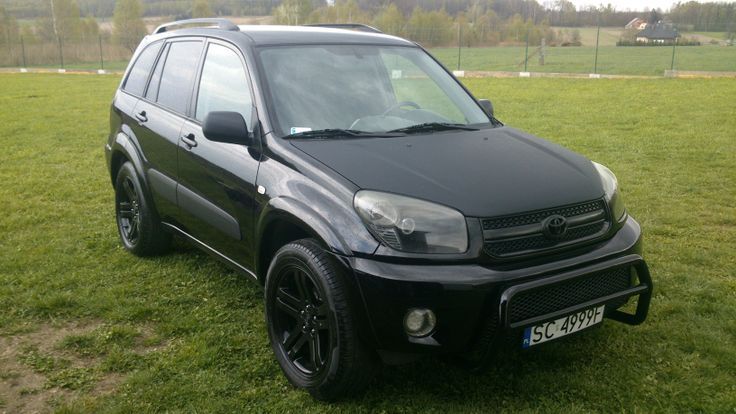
(487, 106)
(228, 127)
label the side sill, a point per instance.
(202, 245)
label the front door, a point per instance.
(216, 189)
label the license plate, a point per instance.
(535, 335)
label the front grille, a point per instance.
(523, 234)
(538, 216)
(547, 299)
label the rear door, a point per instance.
(160, 116)
(217, 180)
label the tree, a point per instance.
(89, 29)
(390, 20)
(654, 17)
(201, 8)
(8, 28)
(292, 12)
(128, 26)
(64, 21)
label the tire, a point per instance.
(310, 324)
(138, 224)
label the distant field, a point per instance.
(611, 59)
(609, 35)
(712, 35)
(87, 328)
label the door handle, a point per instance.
(141, 116)
(189, 141)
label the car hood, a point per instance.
(485, 173)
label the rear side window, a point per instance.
(224, 84)
(152, 91)
(178, 75)
(138, 76)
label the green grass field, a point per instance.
(651, 61)
(86, 327)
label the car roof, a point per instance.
(270, 35)
(258, 35)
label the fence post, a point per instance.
(526, 52)
(23, 51)
(597, 38)
(102, 61)
(459, 44)
(674, 43)
(61, 53)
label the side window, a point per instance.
(138, 76)
(224, 84)
(178, 75)
(152, 91)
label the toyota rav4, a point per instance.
(385, 210)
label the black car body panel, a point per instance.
(238, 202)
(485, 173)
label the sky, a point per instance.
(629, 4)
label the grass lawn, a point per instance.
(609, 35)
(86, 327)
(652, 61)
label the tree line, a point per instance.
(432, 22)
(477, 25)
(706, 17)
(63, 23)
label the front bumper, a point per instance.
(475, 302)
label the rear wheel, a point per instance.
(311, 326)
(138, 224)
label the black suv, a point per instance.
(385, 210)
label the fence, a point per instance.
(102, 53)
(75, 53)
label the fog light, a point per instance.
(419, 322)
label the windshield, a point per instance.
(362, 88)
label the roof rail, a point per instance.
(350, 26)
(223, 24)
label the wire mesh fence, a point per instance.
(102, 52)
(72, 53)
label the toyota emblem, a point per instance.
(554, 226)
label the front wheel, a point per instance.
(311, 326)
(138, 224)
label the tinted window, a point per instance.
(224, 85)
(362, 87)
(178, 75)
(138, 75)
(152, 91)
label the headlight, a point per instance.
(610, 186)
(412, 225)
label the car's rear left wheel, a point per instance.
(138, 224)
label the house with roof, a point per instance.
(637, 23)
(658, 33)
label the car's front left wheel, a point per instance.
(311, 326)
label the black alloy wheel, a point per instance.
(311, 323)
(128, 212)
(139, 227)
(301, 320)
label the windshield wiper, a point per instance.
(341, 133)
(433, 126)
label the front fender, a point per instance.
(302, 215)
